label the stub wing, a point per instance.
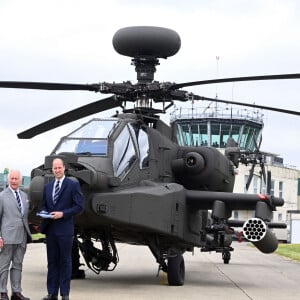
(232, 201)
(256, 230)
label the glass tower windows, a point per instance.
(215, 132)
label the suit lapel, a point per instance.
(63, 186)
(24, 201)
(12, 197)
(49, 193)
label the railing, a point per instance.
(221, 113)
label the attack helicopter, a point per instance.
(140, 187)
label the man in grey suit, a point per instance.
(14, 236)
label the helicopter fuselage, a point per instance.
(134, 168)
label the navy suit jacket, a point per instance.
(69, 201)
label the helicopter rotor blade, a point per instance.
(255, 146)
(236, 79)
(250, 177)
(70, 116)
(263, 172)
(48, 86)
(281, 110)
(261, 158)
(259, 144)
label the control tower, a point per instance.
(212, 126)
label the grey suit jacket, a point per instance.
(14, 227)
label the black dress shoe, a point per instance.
(18, 296)
(4, 296)
(50, 297)
(64, 297)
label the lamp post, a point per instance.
(5, 173)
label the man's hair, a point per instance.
(58, 158)
(14, 171)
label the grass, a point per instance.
(37, 236)
(291, 251)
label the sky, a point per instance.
(71, 42)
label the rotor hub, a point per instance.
(145, 68)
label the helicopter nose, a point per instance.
(36, 189)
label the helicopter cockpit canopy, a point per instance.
(91, 138)
(130, 143)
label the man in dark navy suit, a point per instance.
(63, 199)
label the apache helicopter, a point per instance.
(140, 187)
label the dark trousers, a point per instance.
(59, 255)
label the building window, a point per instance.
(255, 188)
(280, 189)
(272, 187)
(236, 214)
(263, 187)
(279, 216)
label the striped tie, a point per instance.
(56, 191)
(19, 201)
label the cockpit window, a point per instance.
(96, 128)
(124, 153)
(141, 139)
(97, 147)
(89, 139)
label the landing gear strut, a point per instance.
(103, 258)
(226, 255)
(76, 272)
(170, 261)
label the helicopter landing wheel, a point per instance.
(176, 270)
(226, 255)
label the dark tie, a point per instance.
(56, 191)
(19, 201)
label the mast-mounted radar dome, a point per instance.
(145, 44)
(146, 41)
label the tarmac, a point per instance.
(249, 275)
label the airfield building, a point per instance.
(212, 127)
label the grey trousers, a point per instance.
(11, 261)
